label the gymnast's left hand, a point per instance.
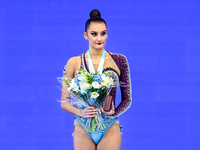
(108, 113)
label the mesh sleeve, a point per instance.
(125, 82)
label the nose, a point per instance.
(99, 38)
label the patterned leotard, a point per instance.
(116, 63)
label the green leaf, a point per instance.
(67, 82)
(89, 78)
(110, 73)
(94, 124)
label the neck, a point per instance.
(96, 52)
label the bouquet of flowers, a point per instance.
(90, 90)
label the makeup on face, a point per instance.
(103, 33)
(96, 35)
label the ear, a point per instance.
(85, 35)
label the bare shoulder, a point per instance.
(71, 66)
(72, 60)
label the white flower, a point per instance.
(82, 78)
(106, 81)
(73, 86)
(94, 95)
(84, 87)
(96, 85)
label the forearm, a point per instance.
(65, 103)
(88, 112)
(67, 106)
(122, 107)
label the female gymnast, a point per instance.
(97, 58)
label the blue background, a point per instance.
(161, 39)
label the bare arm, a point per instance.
(66, 105)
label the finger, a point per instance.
(92, 110)
(90, 116)
(101, 107)
(113, 106)
(89, 110)
(91, 107)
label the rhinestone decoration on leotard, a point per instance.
(124, 79)
(118, 64)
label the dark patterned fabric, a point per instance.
(123, 79)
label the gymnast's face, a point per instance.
(96, 35)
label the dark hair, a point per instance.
(95, 16)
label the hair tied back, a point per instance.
(95, 14)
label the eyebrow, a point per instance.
(101, 31)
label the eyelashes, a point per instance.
(103, 33)
(95, 33)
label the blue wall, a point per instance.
(161, 39)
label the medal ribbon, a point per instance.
(91, 67)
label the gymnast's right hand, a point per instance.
(88, 112)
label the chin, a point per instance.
(99, 47)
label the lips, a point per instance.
(99, 43)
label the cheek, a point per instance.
(105, 38)
(91, 39)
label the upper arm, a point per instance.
(69, 69)
(125, 79)
(68, 72)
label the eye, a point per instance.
(103, 33)
(93, 34)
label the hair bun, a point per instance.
(95, 13)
